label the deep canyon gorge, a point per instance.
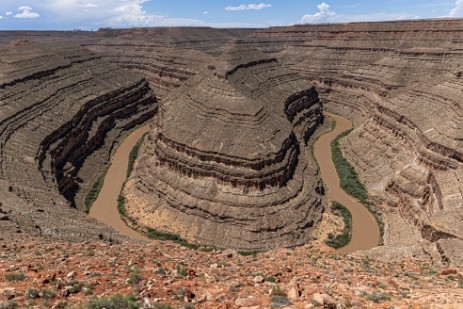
(233, 115)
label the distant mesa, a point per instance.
(227, 164)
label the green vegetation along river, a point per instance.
(365, 230)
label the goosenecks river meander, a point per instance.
(365, 230)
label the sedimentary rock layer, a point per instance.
(401, 84)
(61, 112)
(226, 164)
(167, 57)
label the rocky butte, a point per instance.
(226, 163)
(228, 160)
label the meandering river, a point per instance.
(365, 231)
(104, 208)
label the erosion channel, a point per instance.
(365, 230)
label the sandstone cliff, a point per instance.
(226, 163)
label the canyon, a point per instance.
(233, 115)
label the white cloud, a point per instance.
(26, 12)
(457, 11)
(87, 5)
(92, 14)
(1, 16)
(246, 7)
(206, 13)
(323, 15)
(9, 13)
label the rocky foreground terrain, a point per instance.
(165, 275)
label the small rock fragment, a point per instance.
(317, 300)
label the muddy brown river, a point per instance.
(104, 208)
(365, 230)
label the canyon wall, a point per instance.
(401, 83)
(62, 111)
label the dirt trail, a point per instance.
(365, 230)
(104, 208)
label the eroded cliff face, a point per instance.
(62, 111)
(226, 163)
(401, 83)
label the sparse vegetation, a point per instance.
(153, 234)
(134, 154)
(114, 302)
(134, 277)
(378, 297)
(15, 277)
(248, 253)
(11, 304)
(349, 180)
(92, 195)
(344, 238)
(270, 279)
(278, 291)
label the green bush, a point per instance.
(248, 253)
(344, 238)
(153, 234)
(378, 297)
(116, 301)
(15, 277)
(348, 177)
(11, 304)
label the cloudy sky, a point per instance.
(94, 14)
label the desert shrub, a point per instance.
(116, 301)
(15, 277)
(378, 297)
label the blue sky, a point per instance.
(94, 14)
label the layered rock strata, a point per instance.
(61, 113)
(226, 164)
(167, 57)
(401, 84)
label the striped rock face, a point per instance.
(227, 163)
(61, 111)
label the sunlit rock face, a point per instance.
(226, 164)
(401, 83)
